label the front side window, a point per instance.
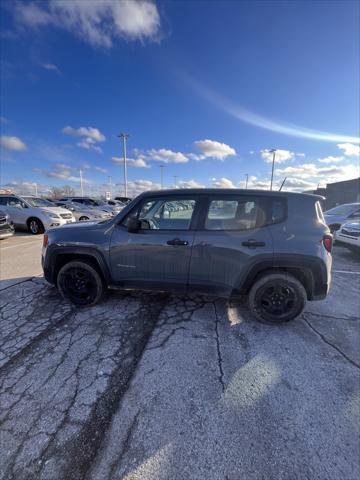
(162, 214)
(13, 201)
(232, 214)
(38, 202)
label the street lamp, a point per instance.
(247, 179)
(162, 175)
(124, 137)
(273, 151)
(81, 183)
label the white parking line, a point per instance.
(346, 271)
(17, 245)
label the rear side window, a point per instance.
(233, 214)
(245, 213)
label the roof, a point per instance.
(226, 191)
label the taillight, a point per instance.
(327, 242)
(45, 240)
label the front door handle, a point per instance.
(253, 243)
(177, 241)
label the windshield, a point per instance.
(38, 202)
(341, 210)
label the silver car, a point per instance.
(34, 213)
(83, 212)
(90, 202)
(341, 214)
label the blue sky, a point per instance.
(205, 88)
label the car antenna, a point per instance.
(282, 184)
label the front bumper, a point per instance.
(6, 232)
(57, 222)
(340, 238)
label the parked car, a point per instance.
(116, 203)
(124, 200)
(340, 214)
(272, 246)
(34, 213)
(83, 212)
(6, 226)
(91, 202)
(348, 235)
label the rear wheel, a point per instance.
(80, 283)
(35, 226)
(83, 218)
(277, 298)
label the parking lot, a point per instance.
(157, 386)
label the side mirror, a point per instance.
(133, 225)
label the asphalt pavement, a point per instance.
(154, 386)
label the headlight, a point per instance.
(53, 215)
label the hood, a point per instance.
(57, 210)
(352, 225)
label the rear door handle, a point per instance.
(253, 243)
(177, 241)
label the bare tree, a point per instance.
(55, 192)
(67, 190)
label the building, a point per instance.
(337, 193)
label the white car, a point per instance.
(349, 235)
(34, 213)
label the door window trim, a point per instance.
(194, 217)
(260, 199)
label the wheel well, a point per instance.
(304, 276)
(65, 258)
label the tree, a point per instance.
(67, 190)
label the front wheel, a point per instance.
(36, 226)
(277, 298)
(80, 283)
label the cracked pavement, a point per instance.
(153, 386)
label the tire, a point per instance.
(80, 283)
(83, 218)
(35, 226)
(277, 298)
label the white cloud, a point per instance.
(62, 171)
(222, 183)
(51, 66)
(323, 174)
(89, 132)
(101, 169)
(190, 184)
(349, 149)
(12, 143)
(214, 149)
(330, 159)
(96, 22)
(26, 188)
(138, 186)
(257, 183)
(166, 156)
(90, 136)
(131, 162)
(280, 155)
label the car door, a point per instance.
(18, 211)
(157, 256)
(232, 237)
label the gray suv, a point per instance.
(272, 246)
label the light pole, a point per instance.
(247, 179)
(162, 176)
(110, 187)
(36, 190)
(175, 181)
(124, 137)
(273, 151)
(81, 183)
